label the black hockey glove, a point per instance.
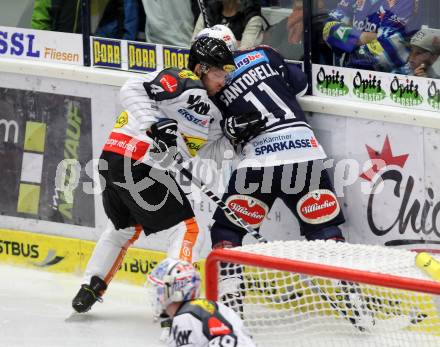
(240, 129)
(164, 135)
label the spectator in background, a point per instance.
(425, 50)
(170, 22)
(242, 17)
(287, 35)
(120, 20)
(57, 15)
(295, 23)
(372, 34)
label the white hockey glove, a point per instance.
(241, 128)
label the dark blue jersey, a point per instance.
(264, 82)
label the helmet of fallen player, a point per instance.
(210, 52)
(221, 32)
(173, 280)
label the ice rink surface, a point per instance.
(34, 306)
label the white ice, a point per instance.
(34, 305)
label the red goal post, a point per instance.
(341, 289)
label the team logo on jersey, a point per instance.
(251, 210)
(169, 83)
(365, 25)
(196, 103)
(193, 143)
(249, 59)
(217, 327)
(181, 337)
(280, 143)
(188, 74)
(204, 305)
(122, 120)
(318, 206)
(193, 119)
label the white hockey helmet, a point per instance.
(221, 32)
(174, 280)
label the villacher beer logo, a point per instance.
(434, 96)
(368, 89)
(331, 84)
(405, 94)
(405, 214)
(318, 206)
(251, 210)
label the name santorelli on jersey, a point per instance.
(248, 79)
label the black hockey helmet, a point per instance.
(209, 51)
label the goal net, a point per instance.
(323, 293)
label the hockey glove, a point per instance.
(164, 135)
(240, 129)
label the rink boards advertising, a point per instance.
(39, 45)
(44, 120)
(62, 254)
(377, 87)
(136, 56)
(39, 130)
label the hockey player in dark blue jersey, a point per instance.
(372, 34)
(280, 155)
(263, 119)
(280, 158)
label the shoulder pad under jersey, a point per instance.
(170, 83)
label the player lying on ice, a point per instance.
(195, 322)
(165, 112)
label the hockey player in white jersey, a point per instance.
(195, 322)
(164, 112)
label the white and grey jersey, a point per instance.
(204, 323)
(174, 94)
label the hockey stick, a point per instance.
(210, 194)
(204, 13)
(316, 288)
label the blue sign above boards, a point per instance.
(136, 56)
(106, 52)
(175, 57)
(141, 57)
